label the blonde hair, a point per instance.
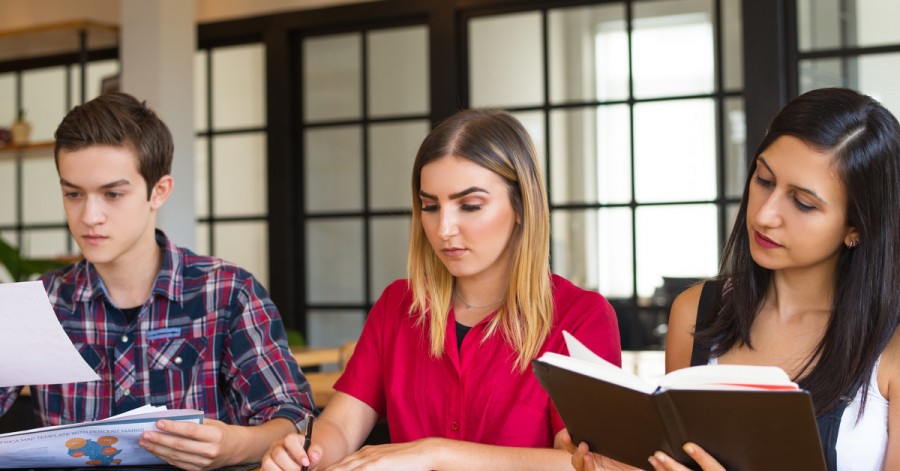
(497, 141)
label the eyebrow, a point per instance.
(117, 183)
(457, 195)
(815, 195)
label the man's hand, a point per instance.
(194, 447)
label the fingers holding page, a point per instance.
(663, 462)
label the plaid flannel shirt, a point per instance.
(208, 338)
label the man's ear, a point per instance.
(161, 191)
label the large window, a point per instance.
(230, 156)
(851, 43)
(637, 109)
(636, 106)
(31, 210)
(365, 109)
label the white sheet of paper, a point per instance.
(33, 345)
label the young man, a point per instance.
(160, 324)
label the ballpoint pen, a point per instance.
(308, 439)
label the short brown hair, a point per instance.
(119, 119)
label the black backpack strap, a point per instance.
(700, 353)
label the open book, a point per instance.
(107, 442)
(748, 417)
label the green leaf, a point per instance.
(10, 258)
(295, 338)
(23, 269)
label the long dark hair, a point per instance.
(863, 139)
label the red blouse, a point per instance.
(472, 393)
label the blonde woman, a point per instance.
(445, 355)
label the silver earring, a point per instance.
(853, 244)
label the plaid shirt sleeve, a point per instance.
(265, 381)
(7, 398)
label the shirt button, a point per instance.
(124, 339)
(126, 392)
(454, 426)
(178, 360)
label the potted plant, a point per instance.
(24, 269)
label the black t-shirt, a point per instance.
(461, 331)
(131, 312)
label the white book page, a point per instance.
(586, 362)
(720, 377)
(727, 377)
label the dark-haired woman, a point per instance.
(810, 278)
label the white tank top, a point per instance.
(861, 446)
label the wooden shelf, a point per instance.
(56, 38)
(34, 148)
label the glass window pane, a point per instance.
(41, 195)
(591, 155)
(663, 250)
(239, 174)
(200, 80)
(201, 177)
(334, 261)
(872, 74)
(332, 81)
(44, 243)
(878, 77)
(533, 121)
(588, 53)
(506, 67)
(10, 238)
(735, 147)
(731, 211)
(7, 99)
(96, 72)
(44, 100)
(245, 243)
(829, 24)
(201, 239)
(239, 86)
(333, 171)
(392, 150)
(732, 45)
(330, 328)
(675, 163)
(820, 73)
(672, 48)
(398, 71)
(592, 248)
(8, 195)
(389, 243)
(873, 23)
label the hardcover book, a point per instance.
(747, 417)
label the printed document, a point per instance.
(107, 442)
(33, 344)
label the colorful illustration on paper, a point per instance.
(99, 453)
